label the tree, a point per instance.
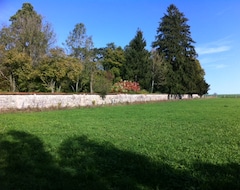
(80, 45)
(59, 72)
(23, 44)
(201, 86)
(28, 34)
(16, 70)
(136, 67)
(102, 83)
(112, 61)
(158, 71)
(74, 74)
(174, 42)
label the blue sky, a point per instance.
(214, 26)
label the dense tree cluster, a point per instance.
(29, 61)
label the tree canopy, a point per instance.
(29, 34)
(31, 62)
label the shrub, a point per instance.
(126, 87)
(102, 85)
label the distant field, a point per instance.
(224, 95)
(187, 144)
(228, 95)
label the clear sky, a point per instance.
(214, 26)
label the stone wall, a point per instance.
(75, 100)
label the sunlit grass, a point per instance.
(178, 144)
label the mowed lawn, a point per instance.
(187, 144)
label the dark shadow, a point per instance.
(102, 166)
(24, 163)
(217, 176)
(86, 164)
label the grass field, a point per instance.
(169, 145)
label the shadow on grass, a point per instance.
(24, 164)
(86, 164)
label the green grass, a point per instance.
(169, 145)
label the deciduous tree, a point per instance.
(28, 33)
(80, 45)
(59, 72)
(158, 72)
(16, 70)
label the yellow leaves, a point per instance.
(58, 68)
(75, 69)
(15, 59)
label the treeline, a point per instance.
(30, 61)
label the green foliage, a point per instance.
(18, 70)
(201, 86)
(80, 46)
(113, 60)
(56, 68)
(102, 84)
(23, 44)
(29, 34)
(159, 71)
(77, 42)
(29, 61)
(169, 145)
(137, 66)
(174, 42)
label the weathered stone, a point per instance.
(75, 100)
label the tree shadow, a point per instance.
(217, 176)
(24, 163)
(85, 164)
(103, 166)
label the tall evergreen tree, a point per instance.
(174, 42)
(137, 66)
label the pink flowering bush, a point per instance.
(126, 87)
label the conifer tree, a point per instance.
(137, 67)
(174, 42)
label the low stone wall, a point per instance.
(60, 101)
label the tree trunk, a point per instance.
(12, 83)
(52, 85)
(76, 86)
(152, 85)
(91, 83)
